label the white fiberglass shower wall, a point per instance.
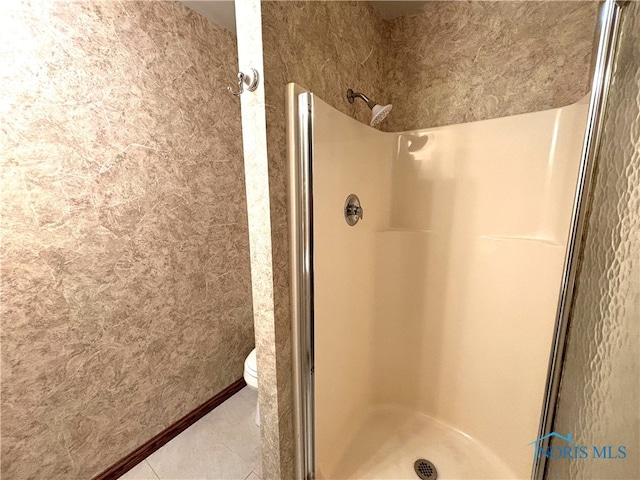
(434, 314)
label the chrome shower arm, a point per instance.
(351, 96)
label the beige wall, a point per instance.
(462, 61)
(328, 47)
(599, 400)
(126, 296)
(254, 140)
(346, 275)
(470, 269)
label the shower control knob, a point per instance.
(353, 210)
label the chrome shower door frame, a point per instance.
(608, 34)
(302, 283)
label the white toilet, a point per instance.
(251, 377)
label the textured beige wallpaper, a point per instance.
(461, 61)
(126, 296)
(600, 391)
(254, 140)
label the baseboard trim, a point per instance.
(125, 464)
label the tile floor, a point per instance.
(223, 445)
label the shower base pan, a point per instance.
(391, 439)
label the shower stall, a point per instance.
(422, 327)
(434, 314)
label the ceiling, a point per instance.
(222, 12)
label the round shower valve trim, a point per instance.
(353, 212)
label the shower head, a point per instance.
(378, 112)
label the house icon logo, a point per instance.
(537, 443)
(553, 434)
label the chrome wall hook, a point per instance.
(250, 80)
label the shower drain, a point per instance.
(425, 469)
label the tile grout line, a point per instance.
(238, 408)
(154, 472)
(250, 464)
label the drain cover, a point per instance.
(425, 469)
